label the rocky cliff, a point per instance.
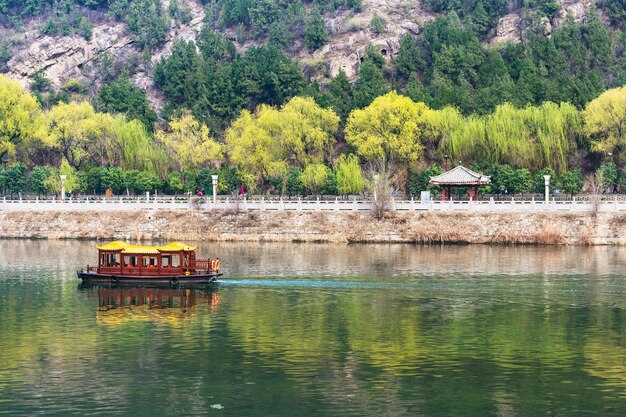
(65, 57)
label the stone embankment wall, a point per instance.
(405, 227)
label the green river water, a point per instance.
(320, 330)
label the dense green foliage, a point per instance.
(483, 14)
(572, 181)
(259, 17)
(517, 109)
(574, 65)
(216, 84)
(302, 147)
(448, 66)
(123, 97)
(316, 33)
(616, 10)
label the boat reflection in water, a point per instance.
(119, 305)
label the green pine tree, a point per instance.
(316, 33)
(409, 59)
(341, 95)
(370, 84)
(416, 91)
(480, 21)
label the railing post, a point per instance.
(245, 203)
(262, 205)
(491, 204)
(281, 206)
(299, 203)
(317, 204)
(354, 204)
(336, 203)
(412, 204)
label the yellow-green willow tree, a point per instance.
(314, 177)
(189, 145)
(20, 118)
(534, 137)
(266, 143)
(127, 144)
(349, 176)
(605, 121)
(85, 137)
(73, 130)
(391, 131)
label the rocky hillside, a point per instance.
(64, 57)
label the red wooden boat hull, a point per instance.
(173, 280)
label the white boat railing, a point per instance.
(299, 204)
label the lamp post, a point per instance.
(214, 183)
(63, 178)
(547, 184)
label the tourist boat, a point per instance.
(173, 264)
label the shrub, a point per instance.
(378, 24)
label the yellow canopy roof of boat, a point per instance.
(124, 247)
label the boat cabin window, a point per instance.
(109, 259)
(130, 261)
(170, 261)
(150, 262)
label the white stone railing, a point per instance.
(201, 203)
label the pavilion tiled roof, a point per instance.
(460, 176)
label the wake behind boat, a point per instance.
(173, 264)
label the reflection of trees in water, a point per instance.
(394, 341)
(464, 337)
(117, 305)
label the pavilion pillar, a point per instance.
(443, 193)
(471, 193)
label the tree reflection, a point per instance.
(118, 305)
